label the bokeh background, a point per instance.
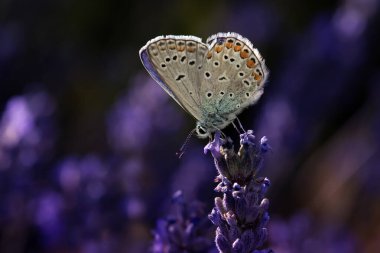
(88, 139)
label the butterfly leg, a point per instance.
(241, 126)
(237, 129)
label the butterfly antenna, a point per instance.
(241, 126)
(183, 147)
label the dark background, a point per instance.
(88, 139)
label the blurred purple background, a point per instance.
(88, 139)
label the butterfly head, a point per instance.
(202, 131)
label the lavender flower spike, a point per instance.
(185, 230)
(241, 216)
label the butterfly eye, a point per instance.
(201, 131)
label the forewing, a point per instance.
(173, 61)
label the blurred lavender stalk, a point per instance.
(305, 233)
(242, 215)
(186, 230)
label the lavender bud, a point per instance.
(184, 230)
(240, 208)
(238, 246)
(248, 239)
(231, 218)
(264, 145)
(220, 205)
(222, 243)
(228, 200)
(264, 205)
(215, 217)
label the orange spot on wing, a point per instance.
(256, 76)
(237, 48)
(229, 44)
(162, 45)
(218, 48)
(191, 46)
(209, 55)
(181, 48)
(171, 44)
(153, 50)
(244, 54)
(251, 63)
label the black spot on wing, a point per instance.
(180, 77)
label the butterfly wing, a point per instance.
(233, 74)
(173, 61)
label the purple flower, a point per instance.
(241, 216)
(186, 230)
(238, 167)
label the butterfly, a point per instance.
(212, 81)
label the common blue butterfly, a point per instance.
(213, 81)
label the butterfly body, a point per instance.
(213, 81)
